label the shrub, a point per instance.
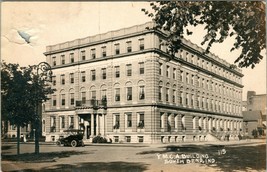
(99, 139)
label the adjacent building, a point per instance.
(125, 86)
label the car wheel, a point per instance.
(73, 143)
(58, 143)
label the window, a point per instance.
(93, 77)
(187, 78)
(141, 120)
(83, 97)
(140, 139)
(160, 93)
(129, 69)
(128, 139)
(160, 68)
(186, 99)
(93, 94)
(192, 79)
(53, 124)
(168, 71)
(129, 46)
(141, 44)
(167, 94)
(62, 59)
(116, 121)
(71, 78)
(116, 139)
(129, 93)
(54, 100)
(117, 48)
(83, 76)
(54, 81)
(117, 71)
(104, 94)
(71, 57)
(129, 120)
(117, 94)
(174, 73)
(141, 92)
(174, 96)
(63, 99)
(62, 122)
(181, 76)
(141, 68)
(54, 61)
(83, 55)
(93, 55)
(62, 78)
(198, 101)
(104, 51)
(104, 73)
(71, 98)
(192, 100)
(71, 121)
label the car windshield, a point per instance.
(73, 132)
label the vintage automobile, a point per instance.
(71, 137)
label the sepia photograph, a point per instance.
(133, 86)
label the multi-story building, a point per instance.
(125, 86)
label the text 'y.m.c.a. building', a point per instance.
(122, 85)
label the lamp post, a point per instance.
(44, 74)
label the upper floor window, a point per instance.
(167, 94)
(192, 79)
(168, 71)
(117, 48)
(129, 46)
(141, 44)
(181, 76)
(160, 68)
(141, 92)
(141, 68)
(129, 119)
(129, 69)
(71, 98)
(117, 94)
(63, 99)
(174, 96)
(54, 81)
(93, 94)
(160, 93)
(54, 100)
(117, 71)
(54, 61)
(71, 78)
(71, 57)
(104, 51)
(93, 55)
(129, 93)
(83, 76)
(187, 78)
(141, 120)
(174, 73)
(83, 57)
(93, 77)
(62, 78)
(104, 73)
(83, 97)
(62, 59)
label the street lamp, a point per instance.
(44, 74)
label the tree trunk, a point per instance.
(18, 139)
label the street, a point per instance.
(220, 156)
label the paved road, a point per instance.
(219, 156)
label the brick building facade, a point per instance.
(123, 85)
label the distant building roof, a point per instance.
(252, 115)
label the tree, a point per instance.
(22, 90)
(245, 20)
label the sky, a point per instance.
(50, 23)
